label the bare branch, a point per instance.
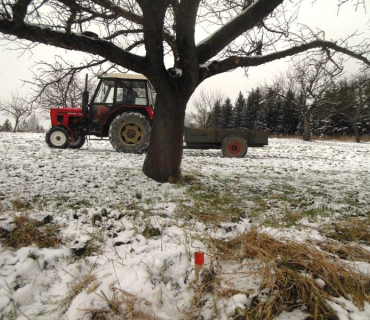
(75, 41)
(235, 62)
(129, 15)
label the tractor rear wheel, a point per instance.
(78, 141)
(129, 132)
(58, 138)
(234, 147)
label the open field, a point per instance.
(85, 235)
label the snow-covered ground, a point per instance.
(136, 237)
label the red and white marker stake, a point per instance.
(199, 262)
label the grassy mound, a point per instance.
(293, 275)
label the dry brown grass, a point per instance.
(28, 232)
(292, 275)
(122, 304)
(98, 314)
(345, 251)
(87, 282)
(21, 204)
(352, 230)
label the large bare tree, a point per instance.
(58, 84)
(310, 79)
(203, 104)
(17, 107)
(140, 34)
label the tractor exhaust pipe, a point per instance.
(85, 98)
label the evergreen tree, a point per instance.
(274, 114)
(215, 117)
(247, 113)
(290, 114)
(253, 116)
(279, 102)
(236, 117)
(343, 109)
(226, 113)
(7, 126)
(324, 119)
(246, 121)
(260, 122)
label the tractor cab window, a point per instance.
(152, 94)
(106, 92)
(131, 92)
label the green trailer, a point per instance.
(233, 143)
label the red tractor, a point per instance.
(121, 109)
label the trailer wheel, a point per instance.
(78, 142)
(58, 138)
(234, 147)
(129, 132)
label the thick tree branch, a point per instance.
(235, 62)
(123, 32)
(185, 25)
(77, 42)
(73, 5)
(70, 20)
(245, 21)
(185, 30)
(154, 14)
(135, 18)
(134, 45)
(20, 11)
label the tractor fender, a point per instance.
(147, 112)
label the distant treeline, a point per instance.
(346, 109)
(29, 125)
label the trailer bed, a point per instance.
(213, 138)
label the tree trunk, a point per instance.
(306, 127)
(16, 125)
(355, 129)
(163, 159)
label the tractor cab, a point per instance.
(121, 108)
(117, 93)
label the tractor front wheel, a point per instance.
(58, 138)
(234, 147)
(129, 132)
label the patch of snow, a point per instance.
(101, 199)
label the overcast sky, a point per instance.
(323, 14)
